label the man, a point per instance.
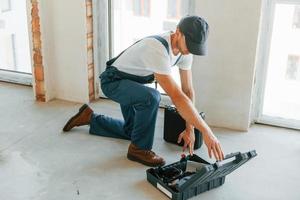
(123, 81)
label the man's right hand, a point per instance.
(213, 145)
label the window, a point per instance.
(14, 37)
(293, 68)
(15, 60)
(177, 8)
(141, 7)
(296, 20)
(280, 83)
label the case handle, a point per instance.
(232, 155)
(250, 154)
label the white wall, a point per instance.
(224, 78)
(63, 25)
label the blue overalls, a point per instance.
(139, 105)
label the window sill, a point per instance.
(16, 77)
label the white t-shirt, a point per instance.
(150, 56)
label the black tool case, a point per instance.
(180, 183)
(174, 124)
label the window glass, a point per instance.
(293, 68)
(281, 94)
(296, 21)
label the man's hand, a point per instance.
(213, 145)
(188, 137)
(190, 114)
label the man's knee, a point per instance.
(154, 96)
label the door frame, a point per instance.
(264, 44)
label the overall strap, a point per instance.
(166, 45)
(111, 61)
(178, 59)
(157, 37)
(162, 40)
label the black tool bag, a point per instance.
(174, 125)
(179, 181)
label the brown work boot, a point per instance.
(83, 117)
(146, 157)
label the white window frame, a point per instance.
(264, 44)
(103, 42)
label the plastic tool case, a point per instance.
(179, 182)
(174, 125)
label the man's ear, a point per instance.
(178, 33)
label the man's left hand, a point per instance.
(188, 137)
